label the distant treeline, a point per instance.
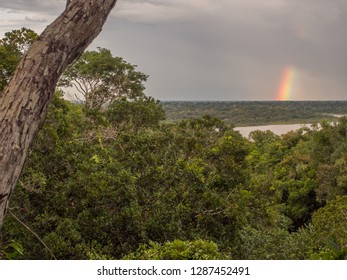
(244, 113)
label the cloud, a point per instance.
(147, 12)
(157, 11)
(236, 49)
(35, 19)
(224, 49)
(51, 7)
(31, 14)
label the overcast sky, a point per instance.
(218, 49)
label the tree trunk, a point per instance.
(24, 102)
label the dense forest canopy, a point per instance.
(119, 182)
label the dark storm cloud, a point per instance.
(240, 48)
(220, 49)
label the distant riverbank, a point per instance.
(253, 113)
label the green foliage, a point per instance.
(271, 244)
(329, 229)
(142, 113)
(178, 250)
(11, 251)
(96, 189)
(89, 194)
(12, 47)
(19, 40)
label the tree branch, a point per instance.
(32, 232)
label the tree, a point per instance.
(101, 79)
(12, 48)
(24, 101)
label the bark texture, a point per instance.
(24, 102)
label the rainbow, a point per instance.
(286, 86)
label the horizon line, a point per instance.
(256, 100)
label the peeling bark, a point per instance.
(24, 102)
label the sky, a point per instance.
(221, 50)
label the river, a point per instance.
(278, 129)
